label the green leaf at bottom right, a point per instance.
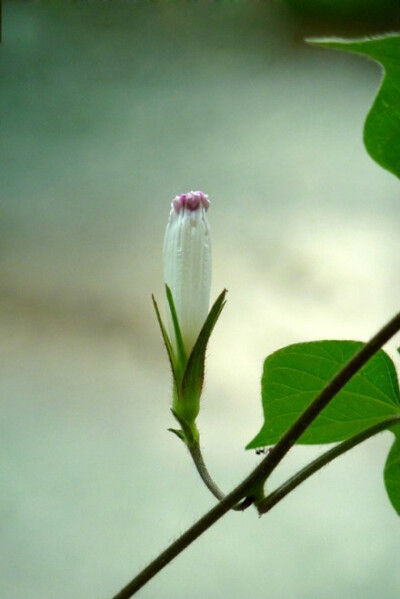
(293, 377)
(391, 472)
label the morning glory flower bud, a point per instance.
(187, 265)
(187, 276)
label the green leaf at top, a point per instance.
(392, 472)
(295, 375)
(382, 126)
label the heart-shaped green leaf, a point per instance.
(295, 375)
(392, 472)
(382, 126)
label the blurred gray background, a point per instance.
(108, 110)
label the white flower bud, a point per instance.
(187, 264)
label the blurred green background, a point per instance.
(108, 110)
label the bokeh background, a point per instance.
(108, 110)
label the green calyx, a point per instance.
(188, 371)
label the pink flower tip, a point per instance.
(192, 201)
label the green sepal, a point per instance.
(188, 374)
(167, 342)
(193, 378)
(189, 433)
(182, 358)
(178, 433)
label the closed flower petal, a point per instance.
(187, 264)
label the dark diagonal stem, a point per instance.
(269, 463)
(287, 487)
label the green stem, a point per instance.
(287, 487)
(268, 464)
(205, 476)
